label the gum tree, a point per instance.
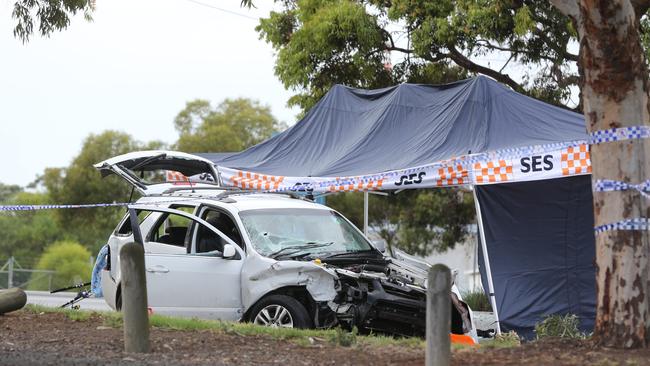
(614, 85)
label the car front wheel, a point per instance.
(280, 311)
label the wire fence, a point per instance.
(20, 273)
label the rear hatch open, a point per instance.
(154, 172)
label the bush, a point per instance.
(563, 326)
(477, 300)
(71, 262)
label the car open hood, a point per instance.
(181, 170)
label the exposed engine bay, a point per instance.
(383, 297)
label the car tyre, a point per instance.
(280, 311)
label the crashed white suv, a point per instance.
(271, 259)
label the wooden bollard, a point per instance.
(12, 300)
(134, 299)
(438, 352)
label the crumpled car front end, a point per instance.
(371, 293)
(390, 300)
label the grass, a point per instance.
(477, 300)
(562, 326)
(304, 337)
(503, 340)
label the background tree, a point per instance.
(614, 84)
(81, 183)
(47, 15)
(416, 221)
(234, 125)
(320, 43)
(71, 262)
(26, 234)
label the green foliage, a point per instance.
(81, 183)
(48, 15)
(71, 262)
(417, 221)
(477, 300)
(8, 191)
(321, 43)
(26, 233)
(344, 338)
(234, 125)
(562, 326)
(503, 340)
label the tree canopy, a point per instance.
(234, 125)
(377, 43)
(47, 16)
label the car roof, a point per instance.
(241, 201)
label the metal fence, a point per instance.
(13, 274)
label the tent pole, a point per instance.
(486, 260)
(365, 213)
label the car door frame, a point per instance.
(232, 314)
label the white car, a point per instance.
(271, 259)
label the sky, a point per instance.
(131, 69)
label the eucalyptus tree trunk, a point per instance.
(614, 86)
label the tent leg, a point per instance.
(365, 213)
(486, 259)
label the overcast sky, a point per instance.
(132, 69)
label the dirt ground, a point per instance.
(53, 339)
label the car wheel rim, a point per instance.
(274, 316)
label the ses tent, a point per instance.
(527, 161)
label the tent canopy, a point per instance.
(355, 131)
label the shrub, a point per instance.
(477, 300)
(71, 262)
(563, 326)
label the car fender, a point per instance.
(261, 276)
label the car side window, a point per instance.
(170, 229)
(124, 228)
(224, 223)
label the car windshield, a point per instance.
(275, 232)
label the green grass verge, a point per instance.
(303, 337)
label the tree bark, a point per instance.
(614, 86)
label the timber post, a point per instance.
(12, 299)
(438, 351)
(134, 299)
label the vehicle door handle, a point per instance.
(158, 269)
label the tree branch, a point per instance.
(567, 7)
(466, 63)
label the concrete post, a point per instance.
(438, 352)
(10, 273)
(134, 299)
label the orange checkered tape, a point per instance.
(452, 176)
(576, 160)
(493, 171)
(173, 176)
(249, 180)
(356, 185)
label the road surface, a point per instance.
(55, 300)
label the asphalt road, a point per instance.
(55, 300)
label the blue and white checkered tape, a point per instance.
(619, 134)
(639, 223)
(609, 185)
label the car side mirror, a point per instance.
(229, 251)
(380, 244)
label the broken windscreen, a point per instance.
(304, 231)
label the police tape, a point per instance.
(14, 208)
(619, 134)
(609, 185)
(639, 223)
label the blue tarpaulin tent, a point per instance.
(537, 229)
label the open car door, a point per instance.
(154, 172)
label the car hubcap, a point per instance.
(274, 316)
